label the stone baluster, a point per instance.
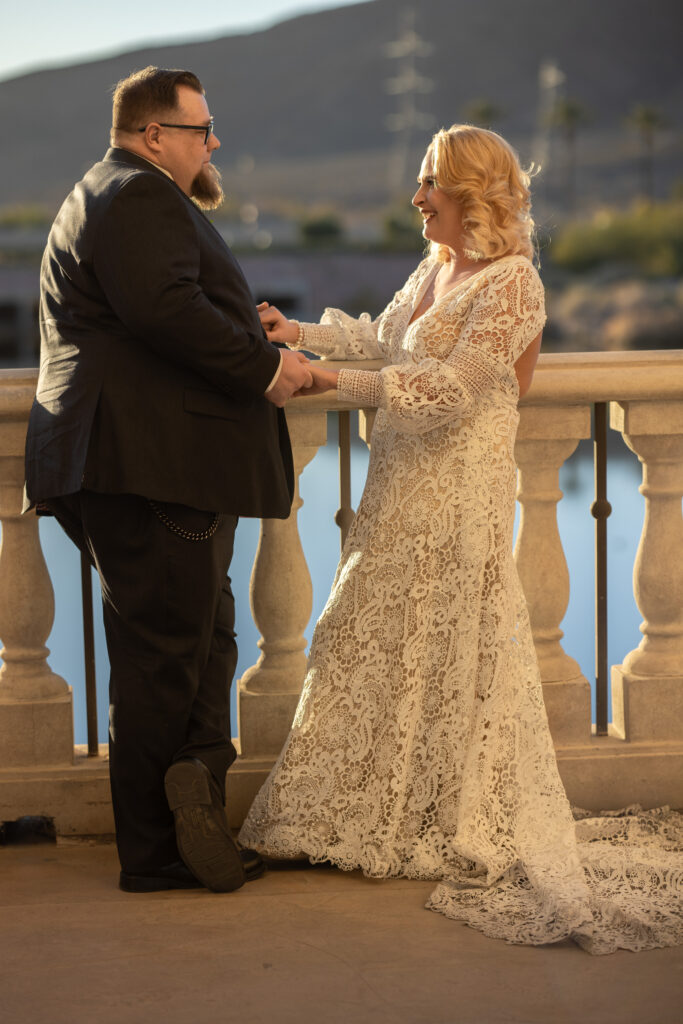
(281, 602)
(546, 437)
(649, 684)
(36, 716)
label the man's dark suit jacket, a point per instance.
(153, 360)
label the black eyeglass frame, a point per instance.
(206, 128)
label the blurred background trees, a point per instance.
(647, 121)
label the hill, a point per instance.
(301, 107)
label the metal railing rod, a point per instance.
(344, 516)
(89, 658)
(601, 510)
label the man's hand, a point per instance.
(295, 376)
(322, 380)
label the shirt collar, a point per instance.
(158, 166)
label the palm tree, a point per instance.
(647, 121)
(483, 113)
(566, 115)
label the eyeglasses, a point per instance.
(206, 128)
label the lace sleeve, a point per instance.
(506, 314)
(340, 336)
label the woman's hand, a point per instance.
(276, 325)
(323, 380)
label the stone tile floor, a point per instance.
(299, 946)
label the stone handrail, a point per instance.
(641, 760)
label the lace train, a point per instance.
(633, 868)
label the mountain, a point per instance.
(301, 107)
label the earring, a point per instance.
(473, 254)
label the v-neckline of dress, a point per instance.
(429, 279)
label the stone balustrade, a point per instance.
(640, 760)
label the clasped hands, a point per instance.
(298, 375)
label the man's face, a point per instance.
(185, 154)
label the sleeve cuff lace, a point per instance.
(318, 338)
(339, 336)
(424, 396)
(362, 387)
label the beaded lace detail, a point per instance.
(420, 745)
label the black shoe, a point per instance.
(177, 876)
(254, 865)
(202, 832)
(172, 876)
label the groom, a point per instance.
(157, 422)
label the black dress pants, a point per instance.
(169, 621)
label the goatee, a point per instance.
(207, 191)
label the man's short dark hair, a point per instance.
(148, 95)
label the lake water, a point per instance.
(320, 539)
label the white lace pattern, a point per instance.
(420, 746)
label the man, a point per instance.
(157, 422)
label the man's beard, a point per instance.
(206, 188)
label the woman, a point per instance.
(420, 746)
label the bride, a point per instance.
(420, 746)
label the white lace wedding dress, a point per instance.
(420, 746)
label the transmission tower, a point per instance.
(407, 85)
(551, 82)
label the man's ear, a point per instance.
(152, 136)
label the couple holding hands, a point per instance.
(420, 746)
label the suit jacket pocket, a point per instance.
(209, 403)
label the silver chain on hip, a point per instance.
(180, 530)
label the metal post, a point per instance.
(344, 516)
(89, 657)
(601, 510)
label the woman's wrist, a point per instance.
(298, 341)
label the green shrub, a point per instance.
(25, 215)
(321, 229)
(402, 228)
(648, 237)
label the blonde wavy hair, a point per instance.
(482, 172)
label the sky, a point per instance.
(49, 33)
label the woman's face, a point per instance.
(442, 215)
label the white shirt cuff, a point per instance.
(277, 374)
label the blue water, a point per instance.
(320, 539)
